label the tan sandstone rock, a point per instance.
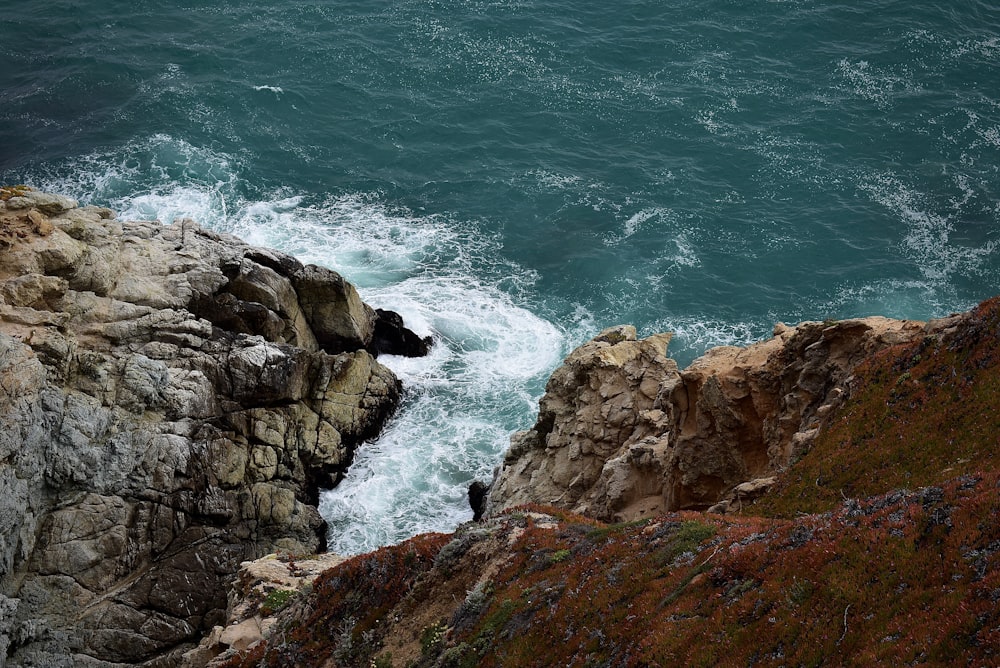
(622, 433)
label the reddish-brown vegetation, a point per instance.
(880, 547)
(341, 616)
(920, 414)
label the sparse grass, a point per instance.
(276, 599)
(559, 555)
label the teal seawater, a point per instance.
(515, 175)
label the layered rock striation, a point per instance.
(171, 402)
(623, 433)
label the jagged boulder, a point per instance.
(171, 402)
(392, 337)
(598, 424)
(622, 433)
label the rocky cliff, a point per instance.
(623, 434)
(877, 544)
(171, 400)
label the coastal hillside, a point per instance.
(171, 402)
(875, 543)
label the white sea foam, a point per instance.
(686, 255)
(481, 381)
(156, 178)
(928, 231)
(636, 220)
(490, 359)
(552, 181)
(694, 334)
(274, 89)
(488, 364)
(878, 84)
(359, 236)
(991, 135)
(896, 298)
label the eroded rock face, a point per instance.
(622, 433)
(171, 400)
(262, 589)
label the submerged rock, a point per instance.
(171, 402)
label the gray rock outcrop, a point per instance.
(622, 433)
(171, 401)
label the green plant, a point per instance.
(460, 656)
(679, 589)
(382, 661)
(685, 539)
(276, 600)
(559, 555)
(344, 649)
(475, 601)
(432, 637)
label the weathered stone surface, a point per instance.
(170, 404)
(46, 203)
(263, 588)
(622, 433)
(333, 309)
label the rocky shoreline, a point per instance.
(623, 434)
(841, 487)
(171, 402)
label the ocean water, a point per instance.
(513, 176)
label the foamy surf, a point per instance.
(490, 359)
(482, 380)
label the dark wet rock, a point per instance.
(391, 337)
(478, 492)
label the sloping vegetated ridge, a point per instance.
(878, 546)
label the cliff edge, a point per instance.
(875, 544)
(623, 434)
(171, 401)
